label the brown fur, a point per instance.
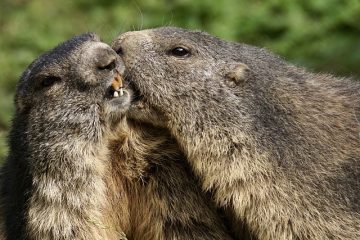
(164, 200)
(77, 170)
(52, 183)
(278, 146)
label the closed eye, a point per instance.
(49, 81)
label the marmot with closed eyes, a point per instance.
(278, 146)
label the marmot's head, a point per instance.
(77, 85)
(177, 72)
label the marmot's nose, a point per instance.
(130, 41)
(107, 59)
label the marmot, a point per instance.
(61, 180)
(279, 147)
(53, 184)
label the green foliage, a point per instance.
(323, 35)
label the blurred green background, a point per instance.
(323, 35)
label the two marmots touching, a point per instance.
(208, 139)
(78, 170)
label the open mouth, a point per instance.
(116, 89)
(118, 97)
(123, 93)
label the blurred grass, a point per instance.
(323, 35)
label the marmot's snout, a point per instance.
(108, 65)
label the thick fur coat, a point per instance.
(78, 171)
(53, 184)
(161, 197)
(278, 146)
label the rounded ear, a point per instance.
(236, 73)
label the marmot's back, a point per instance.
(278, 145)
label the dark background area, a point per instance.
(322, 35)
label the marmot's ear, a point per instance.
(236, 73)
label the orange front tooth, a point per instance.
(117, 82)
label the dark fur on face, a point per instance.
(53, 184)
(278, 146)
